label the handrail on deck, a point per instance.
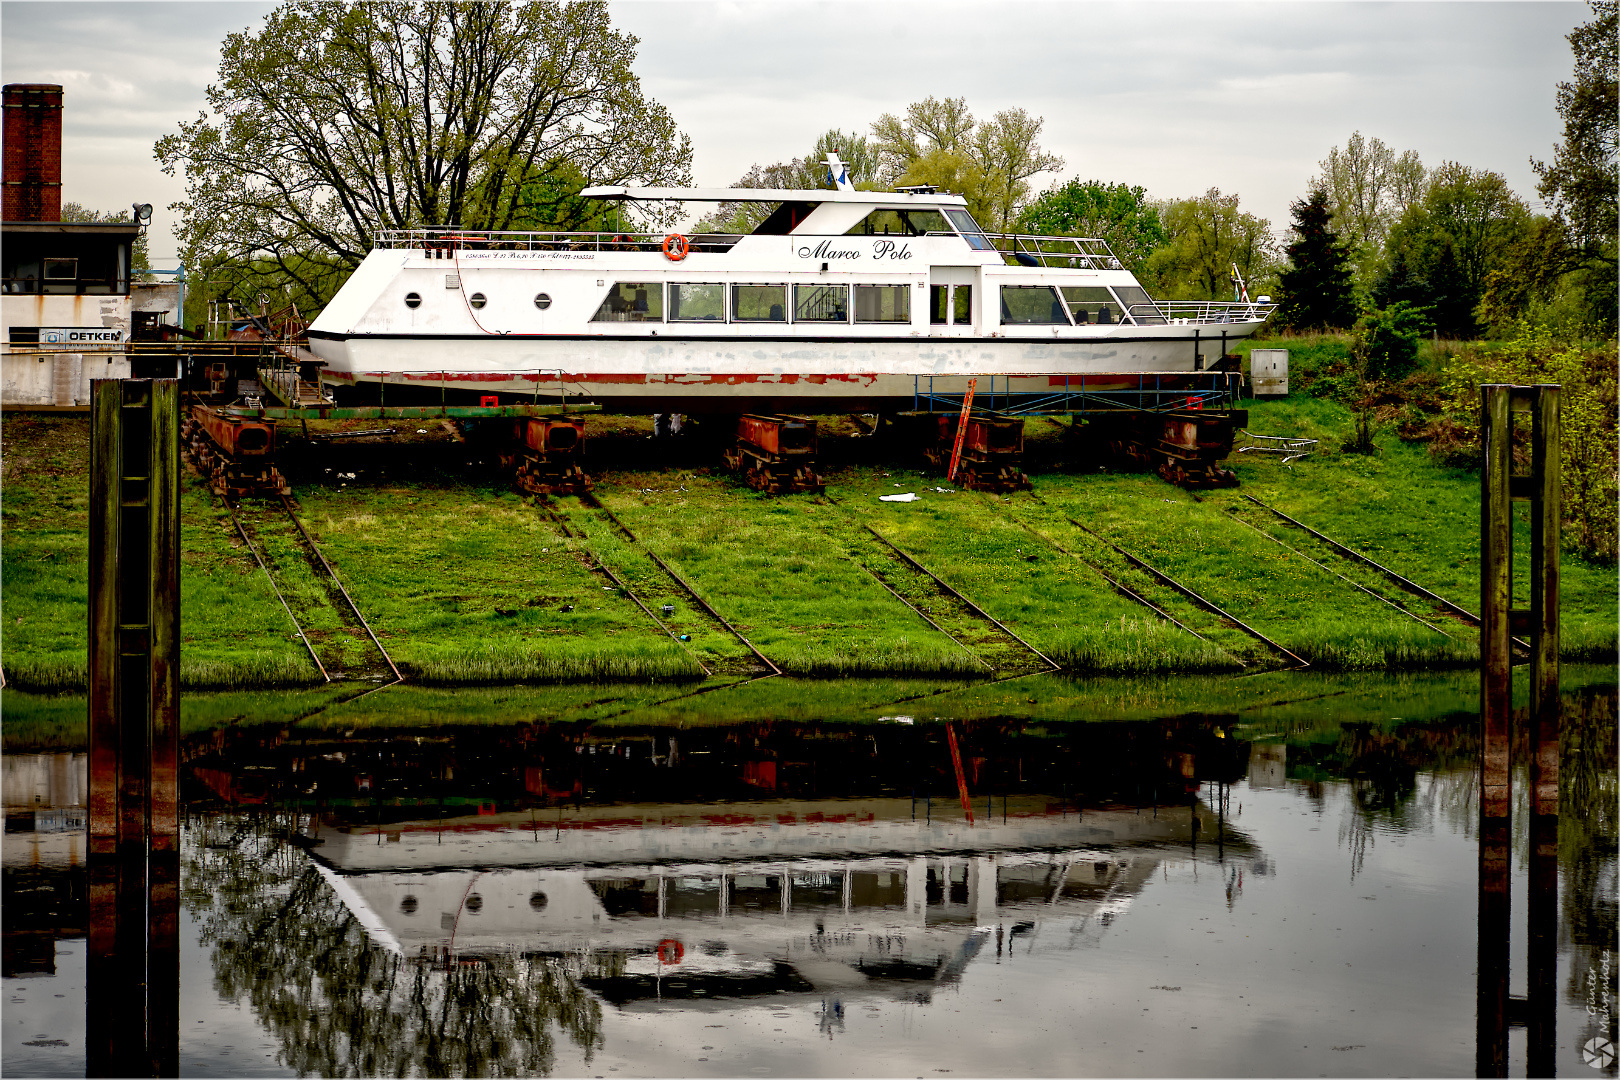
(444, 239)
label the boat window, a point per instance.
(632, 301)
(1026, 305)
(1091, 304)
(900, 223)
(963, 304)
(697, 303)
(950, 304)
(784, 219)
(1139, 305)
(970, 230)
(542, 300)
(883, 303)
(820, 303)
(477, 300)
(759, 303)
(413, 299)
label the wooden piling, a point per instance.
(1495, 599)
(133, 971)
(1499, 623)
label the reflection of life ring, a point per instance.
(670, 951)
(676, 246)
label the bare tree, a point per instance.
(332, 122)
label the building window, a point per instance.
(882, 303)
(632, 301)
(759, 303)
(820, 303)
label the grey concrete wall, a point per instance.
(55, 378)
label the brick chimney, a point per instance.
(33, 152)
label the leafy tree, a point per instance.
(1580, 183)
(1004, 151)
(929, 124)
(1383, 348)
(808, 172)
(1368, 187)
(1444, 247)
(1118, 213)
(1207, 236)
(1315, 287)
(140, 263)
(335, 121)
(956, 171)
(1009, 155)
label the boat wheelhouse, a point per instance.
(839, 300)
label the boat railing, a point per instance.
(1055, 252)
(439, 240)
(1198, 312)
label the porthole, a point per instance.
(408, 905)
(412, 300)
(537, 901)
(542, 300)
(475, 903)
(477, 300)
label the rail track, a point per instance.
(252, 525)
(932, 599)
(597, 566)
(665, 573)
(1443, 606)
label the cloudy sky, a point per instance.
(1175, 97)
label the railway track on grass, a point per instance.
(668, 573)
(597, 566)
(1451, 610)
(953, 607)
(1189, 593)
(252, 524)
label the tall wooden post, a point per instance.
(1499, 623)
(1546, 510)
(133, 971)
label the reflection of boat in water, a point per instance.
(663, 903)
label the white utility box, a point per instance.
(1268, 371)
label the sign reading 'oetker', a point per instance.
(83, 336)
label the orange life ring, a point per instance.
(676, 246)
(670, 951)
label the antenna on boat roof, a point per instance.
(918, 189)
(838, 172)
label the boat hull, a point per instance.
(670, 373)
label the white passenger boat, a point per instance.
(840, 298)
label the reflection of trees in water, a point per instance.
(343, 1007)
(1587, 838)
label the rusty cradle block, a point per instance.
(777, 453)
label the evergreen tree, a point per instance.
(1316, 291)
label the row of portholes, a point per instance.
(478, 300)
(474, 903)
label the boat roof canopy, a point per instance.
(759, 195)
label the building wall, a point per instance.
(55, 378)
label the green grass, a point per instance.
(467, 584)
(784, 581)
(233, 632)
